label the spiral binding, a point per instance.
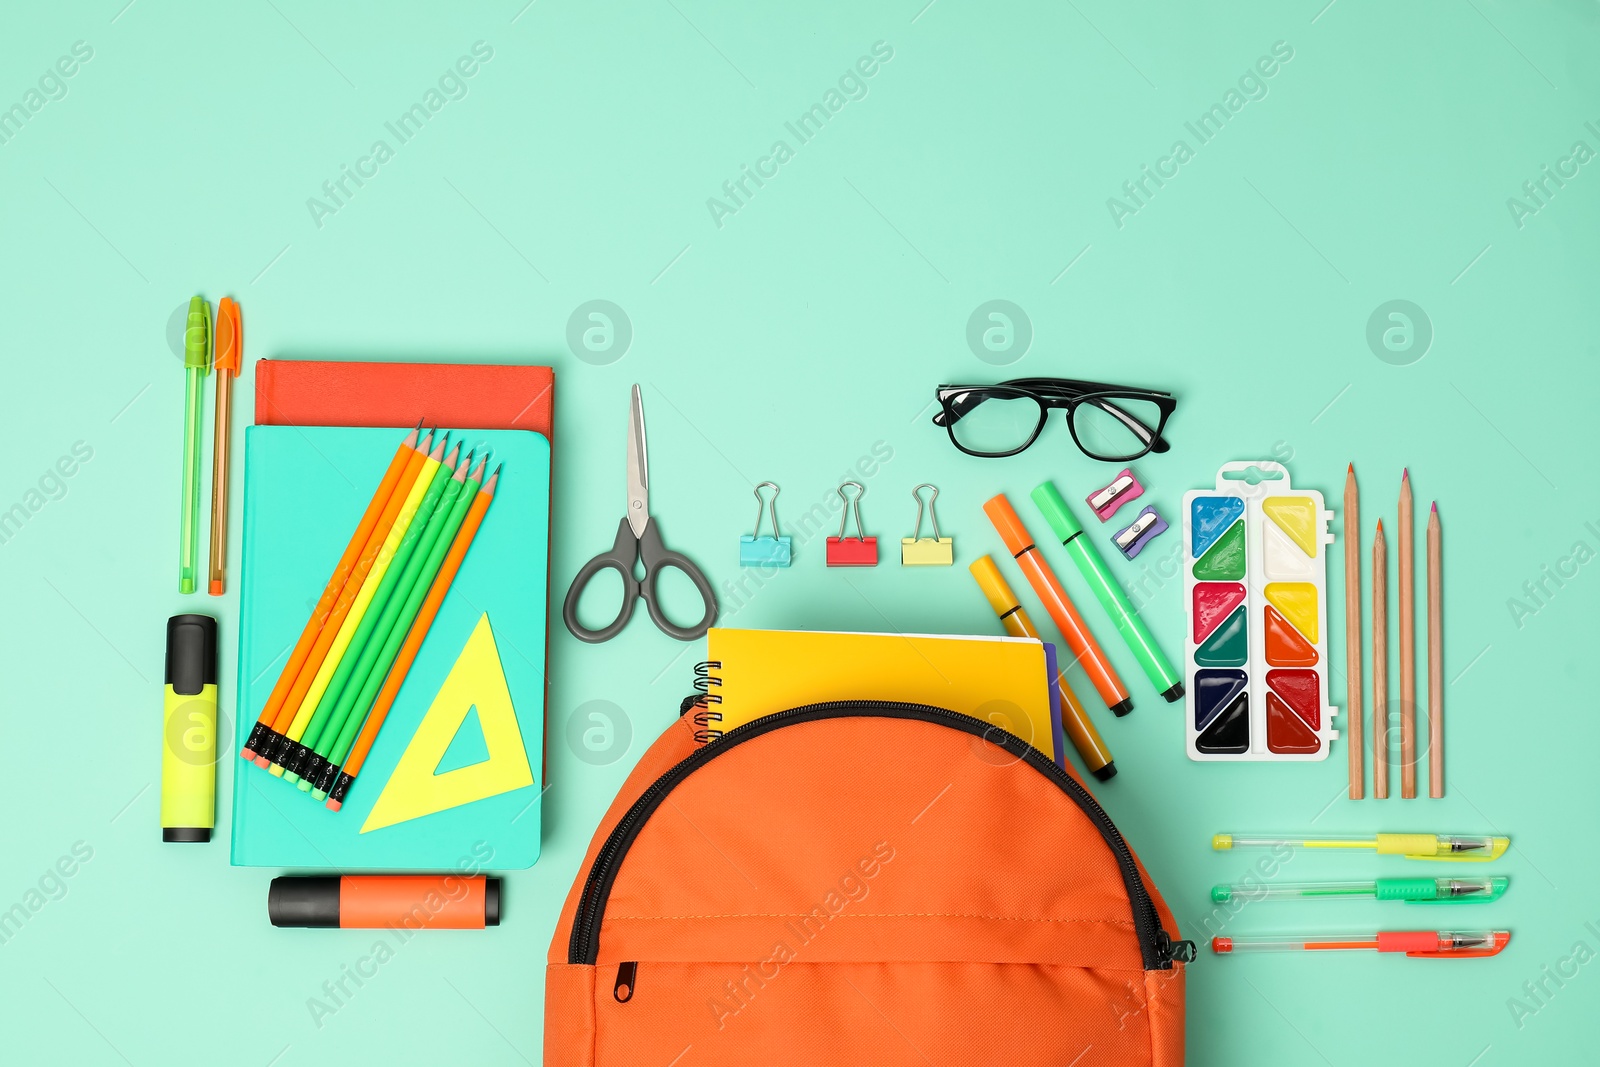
(704, 680)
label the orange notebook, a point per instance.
(751, 673)
(465, 396)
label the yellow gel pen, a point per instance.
(1411, 846)
(189, 734)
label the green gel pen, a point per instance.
(1410, 890)
(1168, 682)
(196, 365)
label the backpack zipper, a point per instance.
(1156, 947)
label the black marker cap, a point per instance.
(1173, 695)
(310, 902)
(1122, 707)
(191, 653)
(185, 835)
(1106, 773)
(491, 902)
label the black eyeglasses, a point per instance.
(1114, 423)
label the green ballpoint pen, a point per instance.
(1412, 890)
(196, 365)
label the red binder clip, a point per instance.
(857, 551)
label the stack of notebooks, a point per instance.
(472, 775)
(1006, 681)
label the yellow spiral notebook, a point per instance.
(751, 673)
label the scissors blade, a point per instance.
(638, 468)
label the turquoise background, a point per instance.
(785, 344)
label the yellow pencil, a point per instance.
(369, 587)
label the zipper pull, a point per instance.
(1168, 950)
(626, 974)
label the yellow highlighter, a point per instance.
(189, 734)
(1411, 846)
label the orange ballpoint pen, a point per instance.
(229, 353)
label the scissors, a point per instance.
(638, 539)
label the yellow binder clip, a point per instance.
(919, 551)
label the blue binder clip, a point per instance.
(758, 551)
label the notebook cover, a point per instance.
(305, 489)
(312, 392)
(1002, 680)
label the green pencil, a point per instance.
(369, 619)
(402, 626)
(378, 635)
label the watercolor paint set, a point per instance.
(1255, 589)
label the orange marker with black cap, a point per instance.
(373, 901)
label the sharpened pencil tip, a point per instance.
(1405, 474)
(1380, 525)
(1350, 469)
(1435, 508)
(488, 486)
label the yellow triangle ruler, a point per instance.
(415, 789)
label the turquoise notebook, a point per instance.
(305, 489)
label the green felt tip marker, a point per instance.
(1115, 602)
(196, 365)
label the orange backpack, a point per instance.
(861, 883)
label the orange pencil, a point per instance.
(1019, 542)
(263, 732)
(414, 639)
(365, 558)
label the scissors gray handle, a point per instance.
(621, 557)
(658, 557)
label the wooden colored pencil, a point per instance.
(308, 691)
(1435, 660)
(414, 639)
(1380, 664)
(330, 593)
(1408, 646)
(364, 611)
(1352, 634)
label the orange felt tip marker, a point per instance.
(375, 901)
(1019, 542)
